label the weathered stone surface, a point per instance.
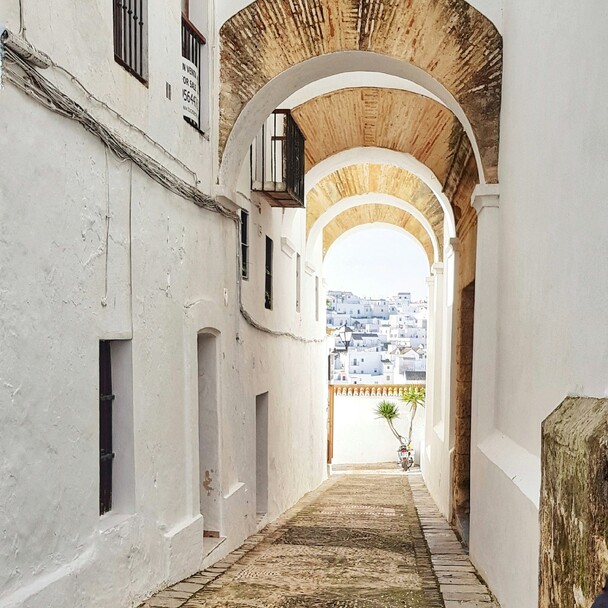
(464, 370)
(448, 39)
(372, 178)
(386, 118)
(364, 539)
(574, 503)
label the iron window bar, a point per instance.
(106, 453)
(130, 37)
(192, 49)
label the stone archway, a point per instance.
(377, 214)
(450, 48)
(378, 179)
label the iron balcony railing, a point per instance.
(277, 161)
(192, 49)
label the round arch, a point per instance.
(365, 227)
(383, 156)
(447, 47)
(377, 180)
(374, 202)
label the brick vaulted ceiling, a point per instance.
(386, 118)
(375, 179)
(372, 213)
(448, 39)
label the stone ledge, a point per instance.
(459, 583)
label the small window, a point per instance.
(193, 43)
(116, 427)
(131, 36)
(268, 275)
(106, 455)
(244, 244)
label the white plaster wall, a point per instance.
(170, 273)
(68, 31)
(361, 437)
(552, 226)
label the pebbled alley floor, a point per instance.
(364, 539)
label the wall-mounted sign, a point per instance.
(190, 102)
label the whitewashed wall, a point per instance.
(552, 230)
(360, 437)
(171, 272)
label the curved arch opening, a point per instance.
(354, 80)
(316, 232)
(281, 87)
(383, 156)
(385, 226)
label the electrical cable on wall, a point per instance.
(35, 85)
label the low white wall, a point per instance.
(360, 437)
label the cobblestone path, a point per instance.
(355, 543)
(359, 541)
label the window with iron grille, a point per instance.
(244, 244)
(131, 36)
(268, 275)
(192, 51)
(106, 401)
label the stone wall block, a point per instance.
(574, 503)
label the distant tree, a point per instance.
(390, 412)
(414, 396)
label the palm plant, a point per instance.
(414, 396)
(389, 411)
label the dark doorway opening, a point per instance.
(462, 445)
(261, 453)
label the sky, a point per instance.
(377, 262)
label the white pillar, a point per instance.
(426, 456)
(452, 258)
(485, 200)
(438, 313)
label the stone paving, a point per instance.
(361, 540)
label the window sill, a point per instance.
(201, 132)
(111, 521)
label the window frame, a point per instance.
(198, 38)
(244, 234)
(106, 452)
(124, 37)
(268, 269)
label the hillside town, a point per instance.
(376, 341)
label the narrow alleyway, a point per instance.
(361, 540)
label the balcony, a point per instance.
(277, 161)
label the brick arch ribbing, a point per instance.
(447, 39)
(379, 179)
(377, 214)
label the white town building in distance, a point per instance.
(388, 344)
